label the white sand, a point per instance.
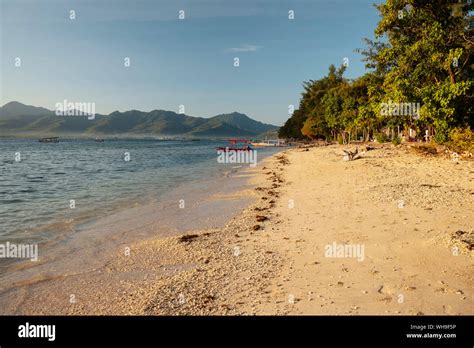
(401, 209)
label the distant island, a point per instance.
(17, 119)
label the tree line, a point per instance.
(419, 78)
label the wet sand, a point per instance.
(86, 249)
(412, 217)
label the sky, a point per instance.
(173, 61)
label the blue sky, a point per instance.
(177, 62)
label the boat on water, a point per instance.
(49, 140)
(236, 145)
(99, 140)
(270, 143)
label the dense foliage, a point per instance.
(421, 60)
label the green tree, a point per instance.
(426, 58)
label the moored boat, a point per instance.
(270, 143)
(234, 146)
(49, 140)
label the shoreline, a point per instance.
(81, 226)
(93, 243)
(305, 199)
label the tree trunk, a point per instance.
(451, 75)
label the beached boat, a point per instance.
(49, 140)
(234, 145)
(270, 143)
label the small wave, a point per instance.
(30, 190)
(11, 201)
(10, 185)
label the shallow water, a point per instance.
(164, 189)
(38, 189)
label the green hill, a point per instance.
(18, 119)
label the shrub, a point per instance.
(440, 138)
(340, 140)
(461, 140)
(381, 137)
(396, 140)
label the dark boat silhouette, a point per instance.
(49, 140)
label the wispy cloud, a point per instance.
(244, 48)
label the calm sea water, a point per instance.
(36, 192)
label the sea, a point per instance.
(78, 197)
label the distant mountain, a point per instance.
(19, 119)
(14, 108)
(233, 123)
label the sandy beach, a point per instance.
(389, 233)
